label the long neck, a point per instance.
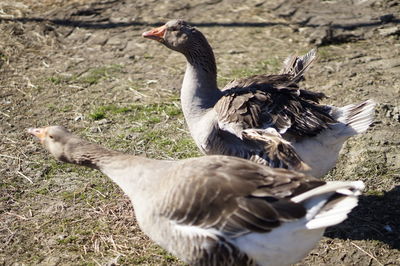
(140, 178)
(199, 90)
(80, 152)
(128, 171)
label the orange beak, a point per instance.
(40, 133)
(155, 34)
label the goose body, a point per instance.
(217, 210)
(264, 118)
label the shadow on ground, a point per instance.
(95, 16)
(377, 217)
(100, 25)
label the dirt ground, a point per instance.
(83, 64)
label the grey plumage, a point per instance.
(214, 210)
(217, 119)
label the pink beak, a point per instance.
(155, 34)
(40, 133)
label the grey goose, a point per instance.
(217, 210)
(264, 118)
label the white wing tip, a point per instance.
(339, 210)
(358, 117)
(358, 185)
(335, 216)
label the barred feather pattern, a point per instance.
(248, 188)
(217, 119)
(217, 210)
(262, 104)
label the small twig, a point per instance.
(16, 215)
(369, 254)
(78, 221)
(101, 194)
(8, 156)
(4, 114)
(24, 176)
(21, 152)
(113, 243)
(96, 247)
(9, 239)
(96, 262)
(12, 141)
(45, 223)
(137, 92)
(75, 86)
(24, 93)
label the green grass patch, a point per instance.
(42, 191)
(267, 66)
(148, 56)
(59, 79)
(325, 53)
(97, 114)
(3, 58)
(373, 165)
(165, 142)
(53, 167)
(94, 75)
(155, 253)
(90, 77)
(375, 193)
(68, 240)
(100, 112)
(69, 195)
(153, 127)
(150, 113)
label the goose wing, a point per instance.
(235, 196)
(275, 101)
(254, 104)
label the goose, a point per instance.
(264, 118)
(217, 209)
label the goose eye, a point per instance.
(50, 136)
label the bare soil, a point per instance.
(83, 64)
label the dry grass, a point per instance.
(124, 94)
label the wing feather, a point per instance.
(236, 196)
(263, 101)
(278, 149)
(286, 112)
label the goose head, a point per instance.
(53, 138)
(177, 35)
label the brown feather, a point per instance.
(237, 197)
(278, 149)
(284, 109)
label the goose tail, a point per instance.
(331, 203)
(296, 66)
(357, 117)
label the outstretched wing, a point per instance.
(275, 101)
(260, 106)
(236, 196)
(252, 107)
